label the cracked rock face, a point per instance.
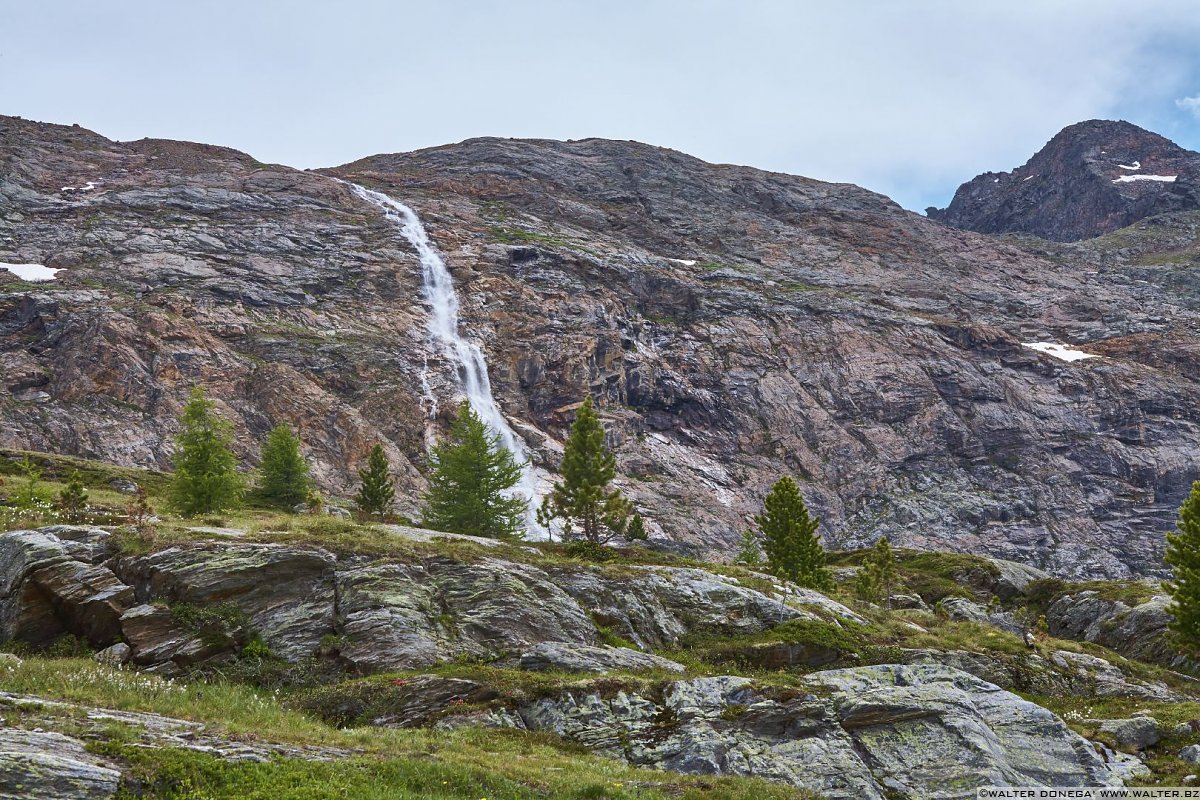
(386, 615)
(733, 325)
(41, 763)
(866, 732)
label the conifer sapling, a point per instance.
(749, 550)
(378, 492)
(635, 531)
(72, 500)
(877, 575)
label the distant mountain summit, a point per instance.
(1091, 178)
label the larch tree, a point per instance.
(284, 477)
(877, 575)
(1183, 556)
(471, 481)
(206, 478)
(582, 499)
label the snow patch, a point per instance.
(1129, 178)
(687, 262)
(1136, 166)
(35, 273)
(1031, 177)
(1060, 351)
(87, 187)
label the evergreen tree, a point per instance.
(877, 575)
(205, 467)
(468, 489)
(284, 479)
(635, 531)
(378, 492)
(790, 538)
(1183, 555)
(582, 497)
(749, 550)
(72, 500)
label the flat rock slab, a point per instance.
(44, 764)
(227, 533)
(865, 732)
(572, 657)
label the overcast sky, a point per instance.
(909, 98)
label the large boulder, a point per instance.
(50, 586)
(45, 764)
(933, 728)
(1011, 579)
(1134, 733)
(286, 593)
(406, 616)
(961, 609)
(864, 732)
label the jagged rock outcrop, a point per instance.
(285, 593)
(1138, 631)
(187, 606)
(1064, 673)
(1091, 178)
(50, 585)
(866, 732)
(733, 325)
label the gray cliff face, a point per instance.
(821, 332)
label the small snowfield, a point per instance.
(1060, 351)
(34, 273)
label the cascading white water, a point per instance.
(437, 287)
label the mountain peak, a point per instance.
(1090, 178)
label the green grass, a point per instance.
(931, 575)
(469, 763)
(95, 474)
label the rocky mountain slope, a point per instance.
(733, 325)
(1091, 178)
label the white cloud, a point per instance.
(1190, 104)
(905, 98)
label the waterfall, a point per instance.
(437, 289)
